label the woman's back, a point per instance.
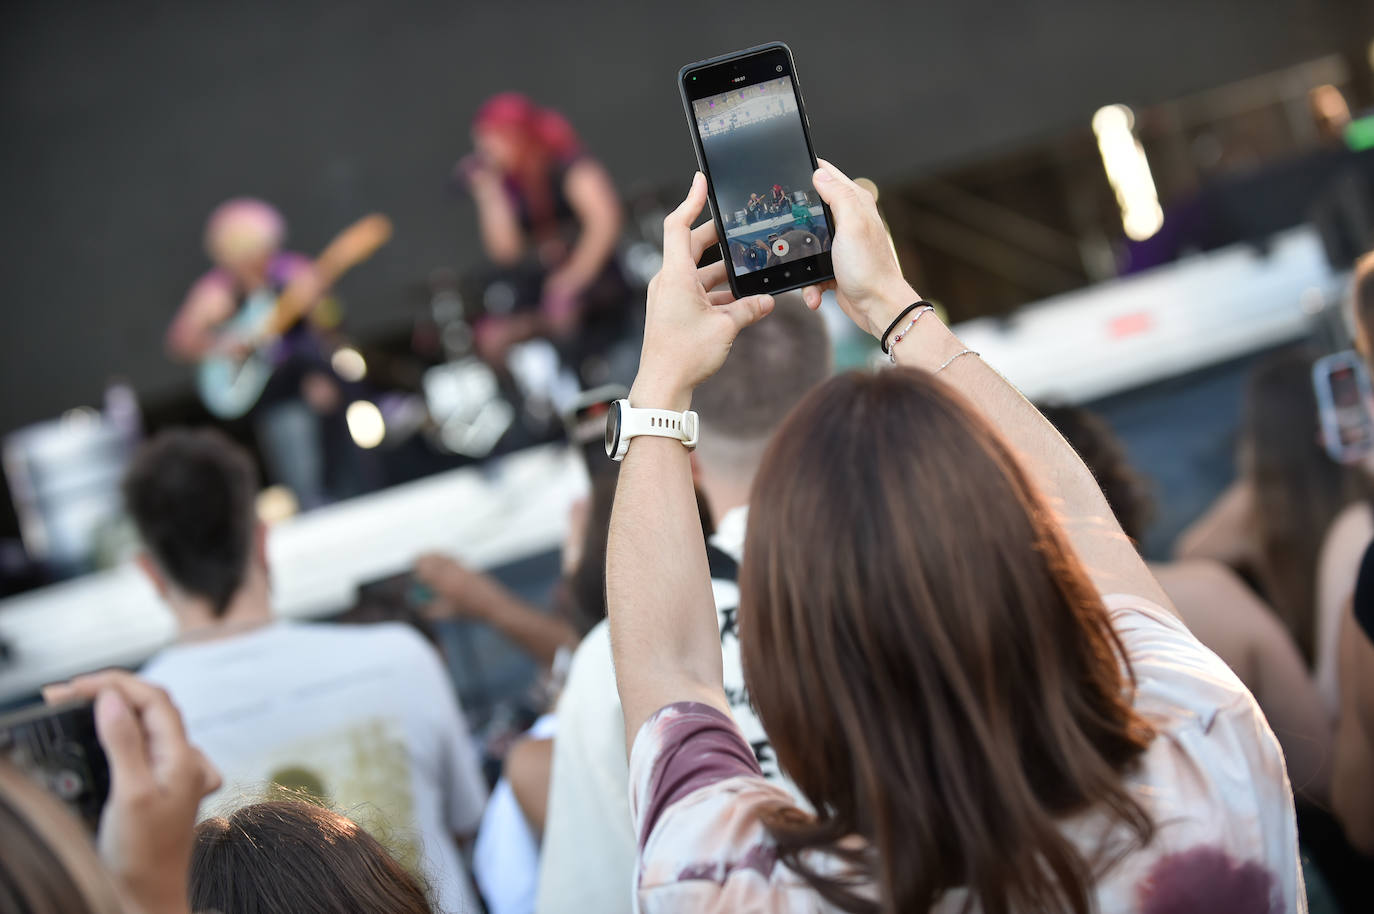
(1212, 780)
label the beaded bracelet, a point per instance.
(882, 344)
(892, 349)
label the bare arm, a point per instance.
(192, 335)
(497, 222)
(1337, 570)
(1352, 788)
(529, 765)
(664, 634)
(1222, 532)
(870, 287)
(594, 201)
(472, 595)
(1244, 632)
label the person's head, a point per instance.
(288, 855)
(1362, 304)
(1298, 489)
(1127, 493)
(47, 862)
(772, 366)
(513, 133)
(191, 494)
(934, 667)
(241, 237)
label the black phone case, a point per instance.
(701, 158)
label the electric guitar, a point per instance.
(230, 385)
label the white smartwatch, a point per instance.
(624, 422)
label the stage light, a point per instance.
(348, 363)
(365, 424)
(1128, 171)
(275, 504)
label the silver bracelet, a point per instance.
(892, 349)
(949, 360)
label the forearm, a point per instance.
(1064, 481)
(664, 635)
(538, 634)
(594, 247)
(1221, 533)
(498, 226)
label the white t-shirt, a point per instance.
(588, 856)
(363, 716)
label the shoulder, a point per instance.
(1177, 677)
(585, 174)
(1346, 540)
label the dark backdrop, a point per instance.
(125, 122)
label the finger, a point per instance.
(723, 297)
(210, 778)
(847, 200)
(748, 310)
(703, 236)
(120, 735)
(677, 226)
(712, 275)
(812, 294)
(155, 713)
(59, 693)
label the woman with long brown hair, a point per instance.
(960, 659)
(1271, 523)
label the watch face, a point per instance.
(613, 429)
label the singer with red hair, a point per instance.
(543, 204)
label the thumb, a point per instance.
(122, 738)
(749, 310)
(842, 195)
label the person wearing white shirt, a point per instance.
(362, 718)
(588, 852)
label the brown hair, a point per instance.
(936, 670)
(287, 855)
(1127, 493)
(47, 863)
(191, 495)
(1298, 489)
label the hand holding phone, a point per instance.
(1344, 398)
(157, 780)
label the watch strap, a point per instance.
(663, 423)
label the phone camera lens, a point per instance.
(779, 68)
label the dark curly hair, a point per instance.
(1126, 492)
(191, 494)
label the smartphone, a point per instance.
(1344, 399)
(57, 746)
(753, 143)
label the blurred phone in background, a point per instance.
(1344, 402)
(57, 746)
(585, 423)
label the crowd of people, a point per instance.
(882, 642)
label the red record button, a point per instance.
(780, 248)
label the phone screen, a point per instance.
(1345, 390)
(58, 748)
(748, 117)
